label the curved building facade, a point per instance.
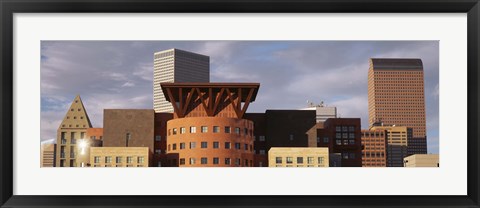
(208, 128)
(211, 142)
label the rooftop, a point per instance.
(396, 64)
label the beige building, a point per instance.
(119, 157)
(397, 140)
(298, 157)
(47, 155)
(422, 160)
(72, 129)
(174, 65)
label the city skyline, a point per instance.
(290, 68)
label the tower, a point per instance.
(174, 65)
(73, 127)
(396, 95)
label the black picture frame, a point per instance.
(9, 7)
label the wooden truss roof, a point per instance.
(210, 94)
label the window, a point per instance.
(237, 130)
(193, 129)
(174, 131)
(338, 128)
(182, 130)
(215, 145)
(338, 135)
(182, 145)
(237, 145)
(318, 139)
(291, 137)
(245, 146)
(158, 151)
(300, 160)
(118, 159)
(204, 129)
(203, 145)
(97, 159)
(192, 161)
(344, 128)
(352, 155)
(216, 129)
(245, 131)
(262, 152)
(289, 159)
(351, 128)
(140, 160)
(320, 160)
(345, 142)
(237, 162)
(278, 160)
(227, 129)
(338, 142)
(351, 141)
(127, 138)
(193, 145)
(345, 135)
(182, 161)
(174, 147)
(82, 135)
(351, 136)
(215, 160)
(325, 140)
(227, 161)
(129, 159)
(261, 138)
(246, 163)
(204, 160)
(227, 145)
(158, 138)
(345, 155)
(108, 159)
(310, 160)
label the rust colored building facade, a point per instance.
(208, 128)
(374, 148)
(396, 96)
(342, 136)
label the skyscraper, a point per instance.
(396, 94)
(174, 65)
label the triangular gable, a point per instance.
(76, 116)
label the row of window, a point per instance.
(345, 142)
(119, 159)
(345, 128)
(107, 166)
(204, 129)
(70, 125)
(215, 145)
(216, 161)
(299, 160)
(345, 135)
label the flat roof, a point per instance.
(215, 86)
(397, 64)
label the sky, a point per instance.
(119, 74)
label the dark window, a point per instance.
(215, 145)
(278, 160)
(300, 160)
(204, 160)
(215, 160)
(227, 129)
(227, 161)
(227, 145)
(204, 144)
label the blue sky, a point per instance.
(118, 74)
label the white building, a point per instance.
(322, 111)
(174, 65)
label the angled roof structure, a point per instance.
(396, 64)
(76, 116)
